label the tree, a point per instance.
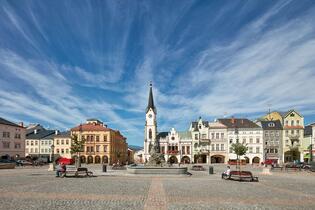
(294, 148)
(239, 149)
(77, 146)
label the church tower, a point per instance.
(150, 129)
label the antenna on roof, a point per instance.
(269, 117)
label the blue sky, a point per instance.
(62, 62)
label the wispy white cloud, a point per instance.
(199, 67)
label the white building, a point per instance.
(176, 146)
(247, 132)
(200, 141)
(38, 143)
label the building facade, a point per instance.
(102, 144)
(292, 135)
(272, 137)
(62, 144)
(200, 141)
(38, 144)
(176, 146)
(219, 143)
(307, 146)
(246, 132)
(12, 139)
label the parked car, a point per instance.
(24, 163)
(310, 166)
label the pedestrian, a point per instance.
(61, 168)
(226, 173)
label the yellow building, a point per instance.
(102, 145)
(62, 144)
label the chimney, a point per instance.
(232, 120)
(21, 124)
(56, 132)
(35, 131)
(242, 121)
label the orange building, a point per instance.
(102, 145)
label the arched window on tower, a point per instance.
(150, 133)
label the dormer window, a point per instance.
(271, 124)
(199, 126)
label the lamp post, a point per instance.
(52, 164)
(265, 150)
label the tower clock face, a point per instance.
(150, 115)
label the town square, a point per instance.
(143, 104)
(29, 188)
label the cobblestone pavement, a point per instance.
(37, 188)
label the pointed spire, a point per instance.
(151, 102)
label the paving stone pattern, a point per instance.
(36, 188)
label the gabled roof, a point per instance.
(238, 123)
(161, 135)
(90, 127)
(65, 134)
(285, 114)
(271, 125)
(40, 134)
(6, 122)
(194, 125)
(135, 147)
(216, 125)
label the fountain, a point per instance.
(156, 164)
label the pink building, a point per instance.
(12, 139)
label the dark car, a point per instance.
(310, 166)
(24, 163)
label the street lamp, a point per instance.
(52, 164)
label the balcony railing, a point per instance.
(173, 152)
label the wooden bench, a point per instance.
(198, 168)
(292, 169)
(277, 168)
(241, 176)
(72, 170)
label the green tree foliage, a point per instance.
(77, 146)
(239, 149)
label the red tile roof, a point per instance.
(293, 127)
(90, 127)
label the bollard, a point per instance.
(210, 169)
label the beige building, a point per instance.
(12, 139)
(219, 142)
(102, 145)
(62, 144)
